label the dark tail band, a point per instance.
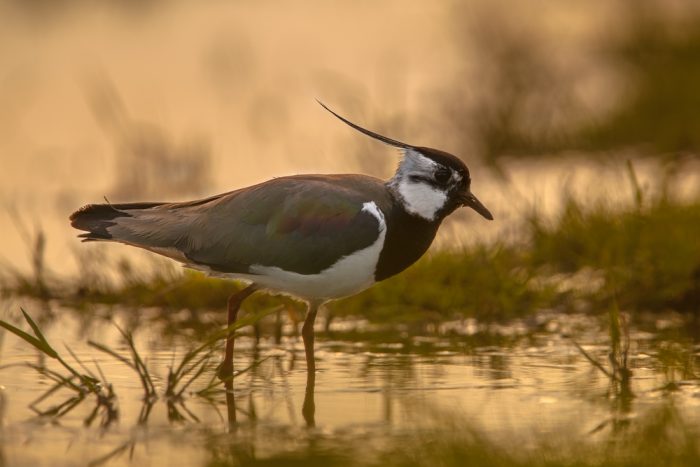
(95, 219)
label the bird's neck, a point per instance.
(408, 237)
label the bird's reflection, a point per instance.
(230, 406)
(308, 410)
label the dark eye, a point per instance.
(442, 175)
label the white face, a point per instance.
(423, 185)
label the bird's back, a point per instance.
(300, 223)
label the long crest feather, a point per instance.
(371, 134)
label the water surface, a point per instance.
(524, 381)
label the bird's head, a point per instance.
(429, 183)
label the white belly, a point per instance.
(348, 276)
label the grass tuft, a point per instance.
(79, 384)
(195, 363)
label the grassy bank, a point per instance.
(648, 255)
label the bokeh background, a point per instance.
(155, 100)
(566, 332)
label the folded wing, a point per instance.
(302, 224)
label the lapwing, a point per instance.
(314, 237)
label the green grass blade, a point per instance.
(222, 334)
(99, 370)
(634, 181)
(201, 368)
(35, 327)
(108, 351)
(593, 361)
(29, 339)
(139, 364)
(87, 371)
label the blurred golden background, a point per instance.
(153, 100)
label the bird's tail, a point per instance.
(114, 222)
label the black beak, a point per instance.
(468, 199)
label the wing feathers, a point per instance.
(301, 224)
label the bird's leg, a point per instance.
(225, 371)
(307, 333)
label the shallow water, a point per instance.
(524, 380)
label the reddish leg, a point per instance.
(308, 410)
(225, 371)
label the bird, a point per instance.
(314, 237)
